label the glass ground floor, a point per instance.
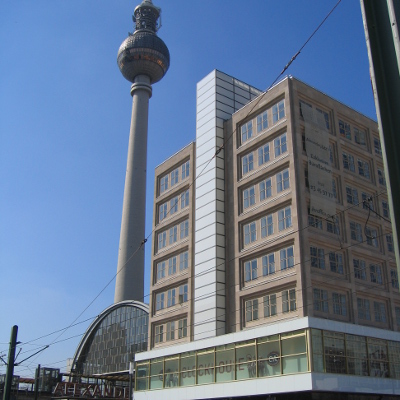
(284, 354)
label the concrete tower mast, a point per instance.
(143, 59)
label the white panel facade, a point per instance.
(217, 95)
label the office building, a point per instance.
(273, 271)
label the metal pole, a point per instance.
(37, 376)
(10, 364)
(382, 36)
(131, 369)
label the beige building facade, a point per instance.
(273, 225)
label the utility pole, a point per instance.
(381, 24)
(37, 376)
(10, 364)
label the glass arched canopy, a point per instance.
(112, 340)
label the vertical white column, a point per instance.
(218, 97)
(130, 272)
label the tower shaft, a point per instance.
(130, 271)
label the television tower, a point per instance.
(143, 59)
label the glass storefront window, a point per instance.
(156, 373)
(317, 350)
(188, 369)
(246, 360)
(378, 358)
(334, 351)
(294, 357)
(269, 356)
(171, 375)
(205, 367)
(225, 363)
(141, 378)
(394, 359)
(356, 352)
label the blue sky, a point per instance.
(64, 125)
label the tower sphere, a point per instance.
(144, 53)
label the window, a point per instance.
(377, 146)
(282, 181)
(359, 136)
(284, 218)
(375, 273)
(185, 199)
(289, 300)
(351, 195)
(183, 261)
(184, 228)
(170, 330)
(332, 225)
(171, 298)
(363, 309)
(332, 154)
(367, 202)
(334, 190)
(161, 270)
(348, 162)
(250, 233)
(185, 169)
(394, 278)
(267, 226)
(249, 197)
(278, 111)
(268, 264)
(389, 242)
(339, 304)
(287, 258)
(372, 236)
(247, 163)
(356, 231)
(336, 262)
(159, 301)
(363, 168)
(183, 294)
(326, 118)
(174, 177)
(314, 221)
(359, 269)
(397, 313)
(173, 204)
(385, 209)
(250, 270)
(269, 305)
(172, 266)
(280, 145)
(317, 257)
(159, 334)
(344, 129)
(173, 234)
(182, 328)
(162, 240)
(263, 154)
(163, 211)
(251, 310)
(262, 121)
(320, 298)
(303, 104)
(381, 177)
(379, 312)
(247, 131)
(163, 184)
(265, 189)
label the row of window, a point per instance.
(169, 267)
(264, 227)
(174, 177)
(268, 305)
(173, 330)
(364, 310)
(265, 264)
(172, 297)
(263, 190)
(275, 113)
(262, 155)
(346, 130)
(322, 302)
(171, 235)
(174, 205)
